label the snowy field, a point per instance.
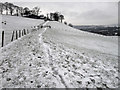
(60, 57)
(14, 23)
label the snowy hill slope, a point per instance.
(14, 23)
(81, 39)
(60, 57)
(18, 23)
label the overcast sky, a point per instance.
(79, 13)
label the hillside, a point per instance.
(60, 56)
(14, 23)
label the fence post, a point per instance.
(27, 31)
(16, 35)
(2, 38)
(19, 33)
(12, 36)
(22, 32)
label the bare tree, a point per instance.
(56, 16)
(11, 8)
(17, 10)
(26, 11)
(1, 8)
(47, 16)
(61, 17)
(6, 7)
(21, 10)
(51, 16)
(36, 10)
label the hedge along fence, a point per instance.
(9, 36)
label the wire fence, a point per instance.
(8, 36)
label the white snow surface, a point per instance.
(16, 23)
(60, 57)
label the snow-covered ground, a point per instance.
(18, 22)
(60, 57)
(14, 23)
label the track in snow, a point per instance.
(47, 51)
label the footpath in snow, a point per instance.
(54, 57)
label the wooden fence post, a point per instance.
(2, 38)
(27, 31)
(19, 33)
(16, 35)
(22, 32)
(12, 36)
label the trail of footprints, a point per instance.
(79, 70)
(65, 67)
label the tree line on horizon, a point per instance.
(14, 10)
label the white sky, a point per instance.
(59, 0)
(77, 12)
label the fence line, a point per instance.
(16, 34)
(21, 33)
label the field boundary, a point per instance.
(16, 34)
